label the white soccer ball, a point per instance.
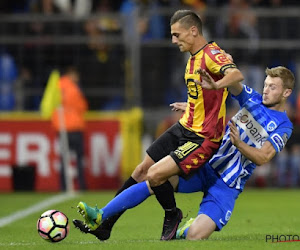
(53, 226)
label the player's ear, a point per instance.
(194, 31)
(287, 93)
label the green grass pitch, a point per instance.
(258, 212)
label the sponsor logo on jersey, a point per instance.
(215, 51)
(256, 133)
(271, 126)
(278, 141)
(185, 149)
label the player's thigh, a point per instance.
(195, 183)
(202, 227)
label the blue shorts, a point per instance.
(218, 199)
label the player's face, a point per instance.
(273, 91)
(182, 37)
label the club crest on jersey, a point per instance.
(221, 58)
(271, 126)
(248, 89)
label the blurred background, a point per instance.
(123, 52)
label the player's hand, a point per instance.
(178, 106)
(207, 82)
(234, 134)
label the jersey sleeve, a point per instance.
(280, 137)
(246, 94)
(217, 62)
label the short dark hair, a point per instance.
(187, 18)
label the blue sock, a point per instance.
(186, 232)
(129, 198)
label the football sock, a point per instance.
(129, 198)
(165, 195)
(109, 222)
(127, 184)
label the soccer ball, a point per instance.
(53, 226)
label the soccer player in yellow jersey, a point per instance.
(188, 144)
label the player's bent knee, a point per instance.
(153, 178)
(140, 173)
(196, 235)
(201, 228)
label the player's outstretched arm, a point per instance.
(232, 80)
(259, 156)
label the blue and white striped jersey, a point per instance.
(256, 124)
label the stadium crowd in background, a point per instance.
(83, 7)
(38, 57)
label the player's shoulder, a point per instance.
(279, 118)
(213, 48)
(284, 119)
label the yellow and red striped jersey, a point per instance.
(206, 110)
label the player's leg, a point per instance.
(160, 148)
(184, 160)
(158, 176)
(129, 198)
(199, 228)
(103, 231)
(216, 206)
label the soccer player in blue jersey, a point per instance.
(255, 134)
(258, 131)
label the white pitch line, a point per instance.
(35, 208)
